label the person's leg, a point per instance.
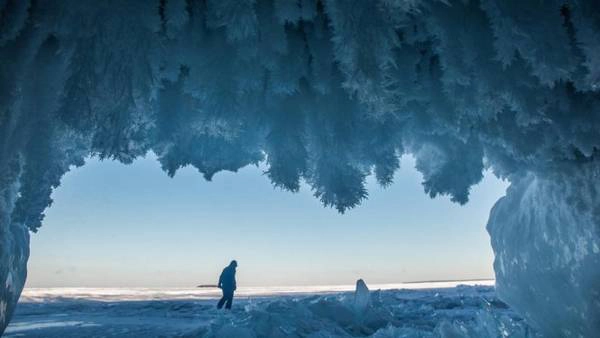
(229, 300)
(222, 301)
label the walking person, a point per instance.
(227, 285)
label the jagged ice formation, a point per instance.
(328, 92)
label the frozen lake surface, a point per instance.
(394, 310)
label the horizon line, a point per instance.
(202, 286)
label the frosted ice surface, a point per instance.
(463, 311)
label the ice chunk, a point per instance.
(362, 297)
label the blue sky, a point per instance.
(116, 225)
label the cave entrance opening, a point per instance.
(117, 225)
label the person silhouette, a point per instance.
(227, 285)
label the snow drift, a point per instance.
(328, 92)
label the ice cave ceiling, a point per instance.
(328, 92)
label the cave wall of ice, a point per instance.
(545, 235)
(328, 92)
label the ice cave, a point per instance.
(326, 92)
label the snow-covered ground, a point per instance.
(398, 310)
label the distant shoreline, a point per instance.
(212, 286)
(450, 280)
